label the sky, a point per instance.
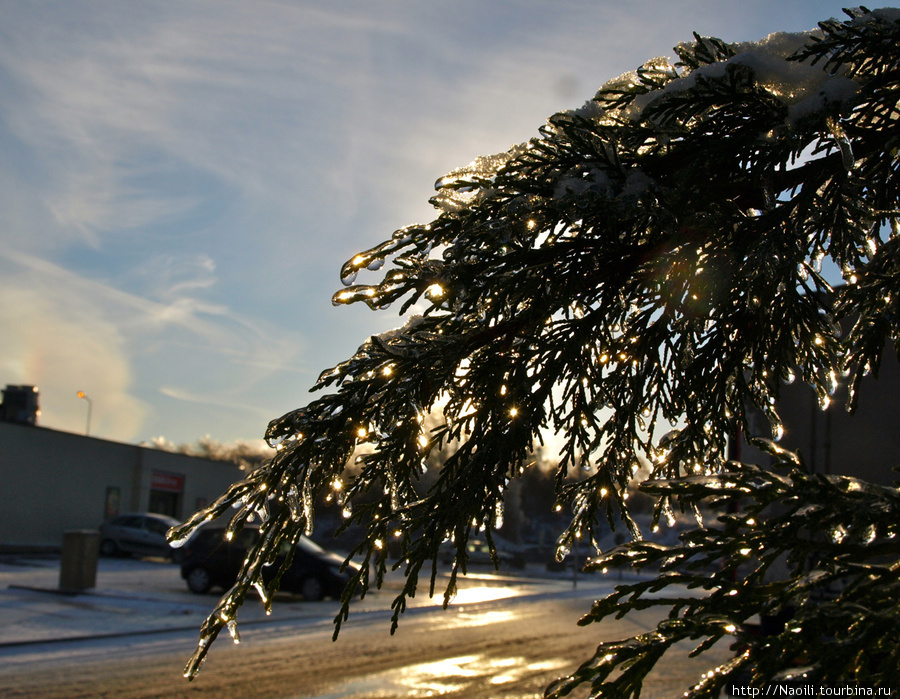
(180, 182)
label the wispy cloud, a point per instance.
(180, 182)
(70, 333)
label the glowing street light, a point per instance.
(84, 396)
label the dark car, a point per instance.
(479, 553)
(140, 533)
(208, 560)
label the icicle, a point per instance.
(668, 513)
(818, 259)
(263, 596)
(393, 491)
(233, 525)
(293, 501)
(840, 138)
(231, 624)
(308, 514)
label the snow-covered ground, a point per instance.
(140, 596)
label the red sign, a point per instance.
(168, 482)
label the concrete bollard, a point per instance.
(78, 563)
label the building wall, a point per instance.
(863, 445)
(52, 482)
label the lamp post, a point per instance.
(84, 396)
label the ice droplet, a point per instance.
(870, 534)
(231, 624)
(838, 534)
(871, 246)
(348, 276)
(178, 541)
(193, 666)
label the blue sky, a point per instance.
(180, 182)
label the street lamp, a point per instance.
(83, 395)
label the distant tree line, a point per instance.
(248, 456)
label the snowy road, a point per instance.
(509, 647)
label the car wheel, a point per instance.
(199, 581)
(312, 589)
(108, 548)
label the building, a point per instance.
(53, 481)
(832, 441)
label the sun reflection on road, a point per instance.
(488, 593)
(461, 675)
(446, 677)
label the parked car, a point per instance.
(210, 560)
(140, 533)
(479, 553)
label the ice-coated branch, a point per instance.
(838, 539)
(648, 264)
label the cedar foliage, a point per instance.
(649, 263)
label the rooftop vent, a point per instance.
(20, 404)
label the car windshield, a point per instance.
(248, 535)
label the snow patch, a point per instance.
(801, 86)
